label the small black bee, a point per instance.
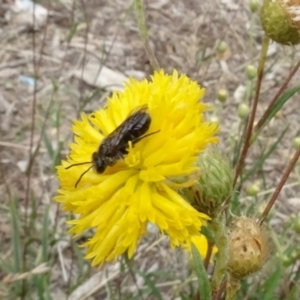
(114, 146)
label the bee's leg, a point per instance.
(144, 136)
(122, 153)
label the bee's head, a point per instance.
(98, 163)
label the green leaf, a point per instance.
(204, 285)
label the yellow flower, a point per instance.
(201, 244)
(138, 189)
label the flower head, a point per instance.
(281, 20)
(138, 187)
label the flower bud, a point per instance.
(286, 260)
(213, 119)
(281, 21)
(251, 72)
(253, 189)
(295, 222)
(248, 248)
(222, 95)
(296, 225)
(296, 142)
(222, 47)
(254, 5)
(215, 183)
(243, 111)
(261, 208)
(278, 115)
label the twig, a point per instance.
(14, 64)
(279, 186)
(144, 33)
(262, 120)
(197, 297)
(228, 28)
(41, 269)
(208, 255)
(31, 157)
(129, 263)
(86, 41)
(221, 290)
(260, 71)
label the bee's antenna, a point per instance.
(79, 164)
(82, 176)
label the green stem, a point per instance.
(233, 286)
(261, 123)
(221, 241)
(138, 4)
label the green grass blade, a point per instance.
(57, 158)
(16, 245)
(48, 145)
(261, 161)
(57, 116)
(45, 235)
(96, 93)
(280, 102)
(16, 240)
(271, 285)
(72, 32)
(79, 259)
(204, 285)
(151, 285)
(33, 213)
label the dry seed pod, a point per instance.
(248, 248)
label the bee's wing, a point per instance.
(130, 127)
